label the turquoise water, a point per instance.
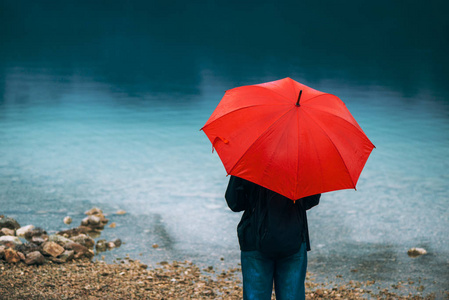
(96, 114)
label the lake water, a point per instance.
(101, 105)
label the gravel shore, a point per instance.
(129, 279)
(80, 275)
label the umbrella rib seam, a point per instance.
(236, 110)
(255, 141)
(298, 162)
(316, 150)
(284, 97)
(343, 119)
(323, 94)
(333, 144)
(266, 89)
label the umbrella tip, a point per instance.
(299, 97)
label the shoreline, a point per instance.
(71, 269)
(130, 279)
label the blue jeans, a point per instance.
(288, 274)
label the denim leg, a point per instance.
(290, 275)
(257, 272)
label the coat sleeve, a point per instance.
(310, 201)
(236, 195)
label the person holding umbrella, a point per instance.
(274, 240)
(284, 144)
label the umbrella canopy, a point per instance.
(289, 138)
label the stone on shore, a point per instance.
(101, 246)
(52, 248)
(7, 231)
(83, 229)
(91, 221)
(23, 230)
(11, 241)
(61, 240)
(80, 250)
(75, 243)
(34, 258)
(93, 211)
(66, 256)
(415, 252)
(38, 240)
(84, 240)
(27, 248)
(89, 254)
(120, 212)
(73, 231)
(10, 223)
(85, 222)
(36, 232)
(95, 221)
(21, 255)
(67, 220)
(117, 242)
(11, 256)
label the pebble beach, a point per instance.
(86, 279)
(69, 265)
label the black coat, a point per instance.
(271, 223)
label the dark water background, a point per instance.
(101, 104)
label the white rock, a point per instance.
(85, 221)
(67, 220)
(413, 252)
(12, 239)
(24, 229)
(93, 220)
(7, 231)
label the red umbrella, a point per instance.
(289, 138)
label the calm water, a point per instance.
(101, 105)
